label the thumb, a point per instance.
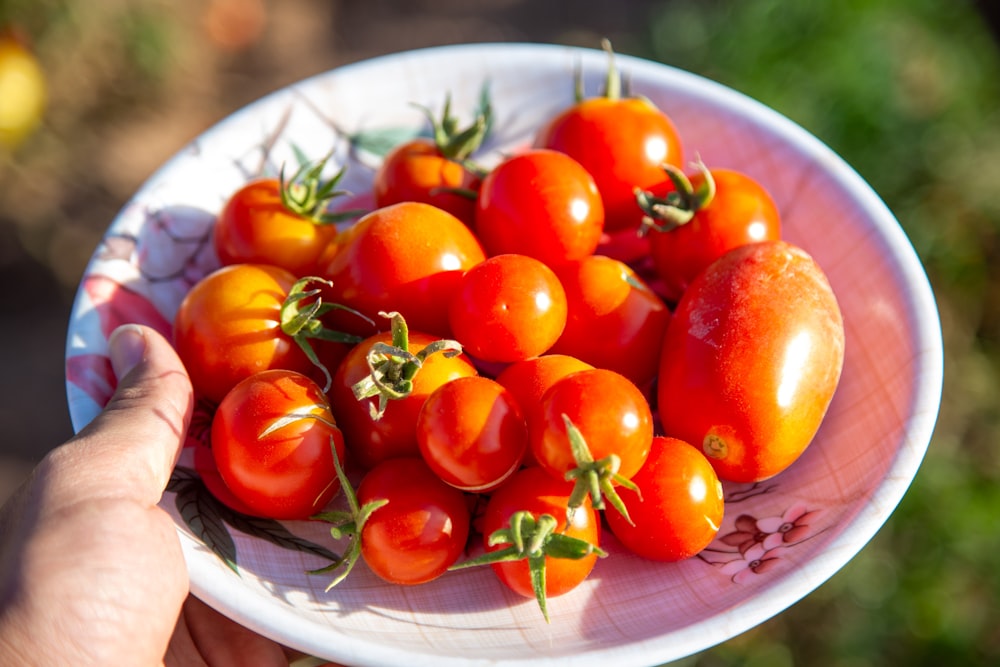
(129, 450)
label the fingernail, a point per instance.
(126, 347)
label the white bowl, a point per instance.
(780, 539)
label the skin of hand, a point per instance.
(91, 570)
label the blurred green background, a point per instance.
(907, 91)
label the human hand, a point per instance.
(92, 570)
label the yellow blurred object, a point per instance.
(23, 92)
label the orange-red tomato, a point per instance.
(679, 507)
(417, 171)
(622, 142)
(614, 320)
(280, 468)
(751, 360)
(393, 435)
(507, 308)
(408, 257)
(610, 412)
(532, 490)
(422, 529)
(228, 327)
(255, 226)
(740, 211)
(540, 203)
(472, 434)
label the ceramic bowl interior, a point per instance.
(780, 539)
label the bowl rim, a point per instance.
(921, 309)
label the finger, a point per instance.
(221, 641)
(129, 450)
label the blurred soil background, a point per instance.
(907, 91)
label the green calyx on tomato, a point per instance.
(346, 524)
(595, 479)
(533, 539)
(393, 367)
(308, 195)
(612, 81)
(454, 143)
(301, 315)
(680, 204)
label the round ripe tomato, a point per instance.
(614, 320)
(417, 171)
(621, 141)
(407, 257)
(540, 203)
(531, 490)
(613, 419)
(507, 308)
(529, 379)
(264, 222)
(228, 327)
(393, 434)
(608, 409)
(723, 209)
(472, 434)
(751, 360)
(681, 506)
(420, 531)
(272, 439)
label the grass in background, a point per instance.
(908, 92)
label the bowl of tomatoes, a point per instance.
(525, 295)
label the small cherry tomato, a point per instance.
(679, 509)
(228, 327)
(751, 360)
(472, 434)
(560, 554)
(407, 257)
(272, 440)
(375, 426)
(540, 203)
(278, 222)
(420, 530)
(595, 426)
(621, 141)
(614, 320)
(529, 379)
(507, 308)
(433, 170)
(692, 222)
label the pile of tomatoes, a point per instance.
(583, 337)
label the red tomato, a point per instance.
(228, 327)
(614, 320)
(472, 434)
(271, 439)
(418, 171)
(408, 257)
(542, 204)
(751, 360)
(680, 508)
(393, 435)
(714, 211)
(420, 531)
(621, 141)
(264, 223)
(610, 412)
(529, 379)
(508, 308)
(532, 491)
(612, 418)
